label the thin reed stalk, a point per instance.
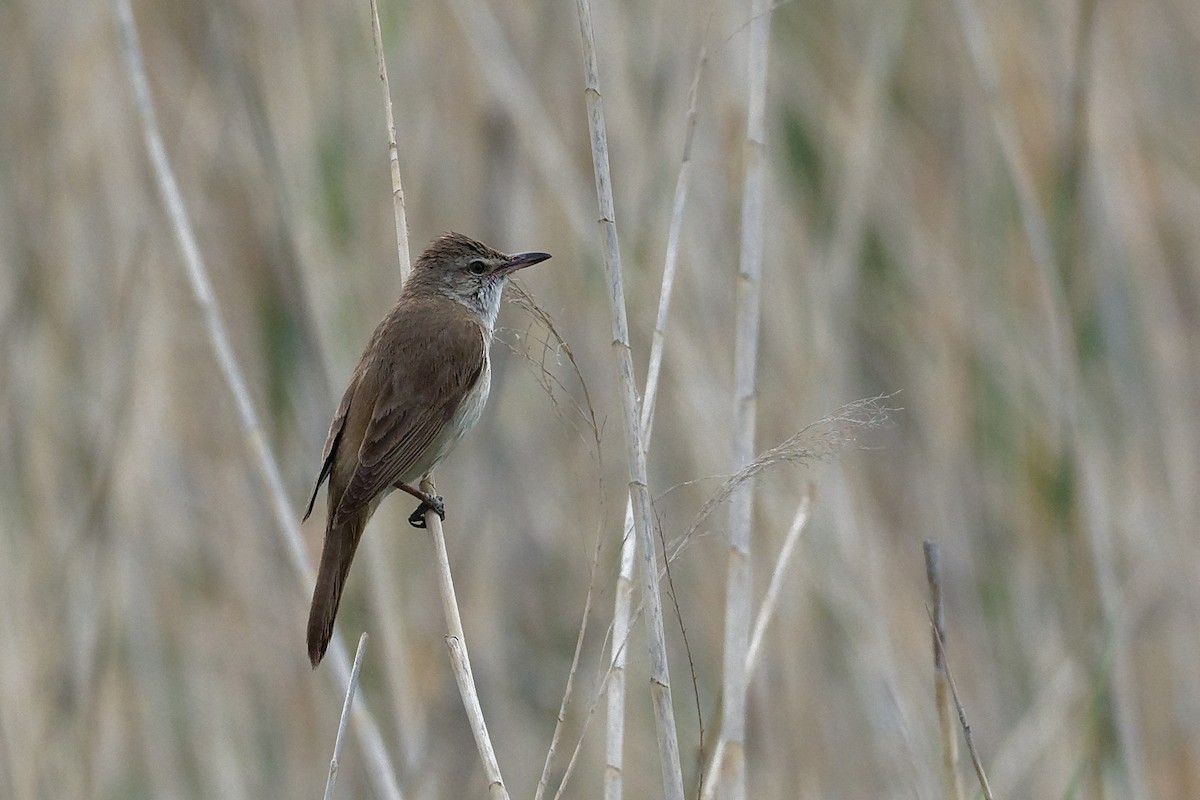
(976, 762)
(615, 734)
(951, 781)
(731, 781)
(347, 704)
(660, 682)
(456, 643)
(398, 209)
(410, 717)
(381, 772)
(762, 620)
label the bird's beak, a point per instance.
(520, 260)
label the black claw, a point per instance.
(432, 503)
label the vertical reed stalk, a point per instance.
(731, 781)
(381, 772)
(660, 682)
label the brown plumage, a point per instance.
(419, 386)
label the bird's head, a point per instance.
(469, 272)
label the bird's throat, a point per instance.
(484, 302)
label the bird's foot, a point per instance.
(429, 502)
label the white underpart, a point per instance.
(484, 301)
(465, 417)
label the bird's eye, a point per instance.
(477, 267)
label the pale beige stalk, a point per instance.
(951, 781)
(346, 706)
(455, 639)
(731, 781)
(660, 681)
(381, 773)
(456, 642)
(984, 785)
(761, 621)
(615, 732)
(409, 708)
(398, 209)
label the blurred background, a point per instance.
(992, 210)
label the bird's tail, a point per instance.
(340, 543)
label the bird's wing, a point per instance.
(415, 402)
(331, 443)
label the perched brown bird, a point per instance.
(419, 386)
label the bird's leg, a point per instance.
(429, 502)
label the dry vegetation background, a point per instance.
(1007, 238)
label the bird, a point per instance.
(420, 384)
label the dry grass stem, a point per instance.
(552, 386)
(466, 687)
(951, 780)
(568, 690)
(770, 599)
(818, 441)
(346, 705)
(731, 781)
(456, 642)
(615, 734)
(411, 720)
(993, 207)
(660, 683)
(601, 689)
(549, 382)
(711, 775)
(658, 339)
(962, 714)
(382, 772)
(614, 746)
(393, 151)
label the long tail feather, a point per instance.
(340, 544)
